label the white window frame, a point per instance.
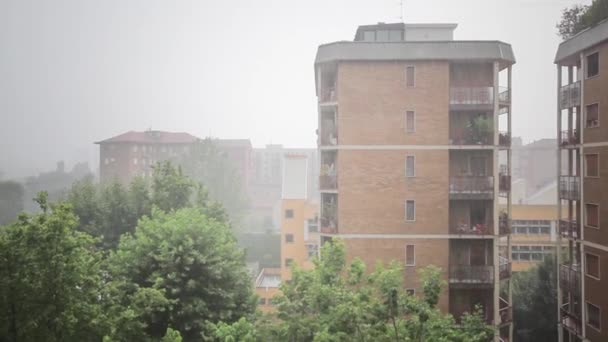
(414, 262)
(599, 67)
(406, 68)
(587, 316)
(598, 115)
(599, 268)
(413, 129)
(413, 167)
(598, 215)
(406, 219)
(598, 165)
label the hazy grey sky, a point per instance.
(76, 71)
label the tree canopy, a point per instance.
(11, 200)
(580, 17)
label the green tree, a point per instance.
(208, 165)
(11, 201)
(180, 269)
(340, 302)
(535, 292)
(580, 17)
(50, 278)
(171, 189)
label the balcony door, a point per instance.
(478, 166)
(478, 253)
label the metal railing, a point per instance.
(472, 228)
(471, 95)
(503, 224)
(504, 95)
(504, 139)
(463, 136)
(570, 229)
(570, 95)
(569, 138)
(570, 277)
(505, 311)
(571, 320)
(504, 268)
(328, 182)
(504, 182)
(472, 274)
(472, 185)
(569, 187)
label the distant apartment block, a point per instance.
(133, 153)
(582, 119)
(412, 125)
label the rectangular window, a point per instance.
(313, 226)
(289, 213)
(592, 166)
(288, 262)
(592, 113)
(410, 210)
(594, 316)
(592, 215)
(410, 292)
(410, 121)
(592, 265)
(410, 255)
(410, 76)
(410, 166)
(262, 301)
(289, 238)
(593, 64)
(312, 250)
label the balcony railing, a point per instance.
(328, 94)
(329, 136)
(463, 136)
(469, 274)
(471, 187)
(504, 268)
(505, 311)
(472, 229)
(570, 95)
(504, 139)
(328, 182)
(504, 182)
(571, 320)
(570, 277)
(569, 188)
(570, 229)
(504, 96)
(472, 96)
(569, 138)
(503, 224)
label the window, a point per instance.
(592, 265)
(262, 301)
(410, 76)
(593, 64)
(313, 226)
(592, 165)
(594, 315)
(289, 213)
(410, 255)
(312, 250)
(592, 215)
(288, 262)
(289, 238)
(592, 113)
(410, 121)
(410, 166)
(410, 210)
(369, 36)
(410, 292)
(382, 36)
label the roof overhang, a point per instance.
(567, 52)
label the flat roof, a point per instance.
(456, 50)
(582, 41)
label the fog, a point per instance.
(77, 71)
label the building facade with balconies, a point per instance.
(411, 128)
(582, 75)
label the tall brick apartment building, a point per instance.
(411, 126)
(133, 153)
(582, 73)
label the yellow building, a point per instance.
(533, 234)
(266, 287)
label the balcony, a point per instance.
(569, 188)
(569, 138)
(328, 175)
(328, 95)
(570, 95)
(570, 229)
(571, 320)
(504, 268)
(465, 136)
(503, 224)
(467, 98)
(504, 139)
(570, 278)
(505, 311)
(504, 182)
(504, 96)
(329, 214)
(471, 187)
(328, 182)
(472, 275)
(329, 133)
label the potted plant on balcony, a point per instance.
(479, 129)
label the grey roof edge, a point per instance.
(415, 50)
(582, 41)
